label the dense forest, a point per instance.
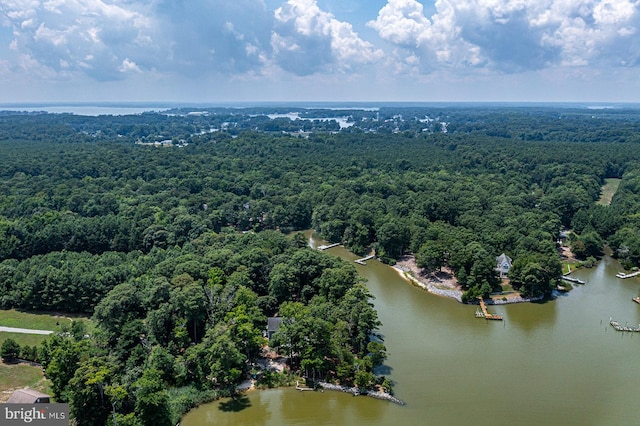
(181, 252)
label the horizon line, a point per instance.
(134, 104)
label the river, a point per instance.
(558, 362)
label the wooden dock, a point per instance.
(302, 388)
(486, 315)
(573, 280)
(624, 276)
(364, 259)
(328, 246)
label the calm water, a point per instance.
(90, 110)
(552, 363)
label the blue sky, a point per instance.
(319, 50)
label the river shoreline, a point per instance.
(249, 386)
(407, 269)
(356, 392)
(269, 361)
(452, 294)
(557, 356)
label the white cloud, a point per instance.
(70, 36)
(307, 40)
(401, 22)
(203, 36)
(513, 35)
(5, 69)
(97, 37)
(128, 66)
(245, 44)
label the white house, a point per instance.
(503, 265)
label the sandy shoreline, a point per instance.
(355, 391)
(445, 284)
(441, 284)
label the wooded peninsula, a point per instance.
(178, 232)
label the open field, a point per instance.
(23, 339)
(17, 376)
(35, 320)
(608, 191)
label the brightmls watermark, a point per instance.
(34, 414)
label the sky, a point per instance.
(208, 51)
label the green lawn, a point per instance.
(23, 339)
(608, 190)
(36, 320)
(570, 265)
(506, 287)
(17, 376)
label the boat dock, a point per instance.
(302, 388)
(486, 315)
(623, 276)
(328, 246)
(364, 259)
(573, 280)
(619, 327)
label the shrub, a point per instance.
(10, 350)
(183, 399)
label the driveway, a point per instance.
(23, 330)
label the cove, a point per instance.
(558, 362)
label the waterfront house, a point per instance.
(273, 324)
(503, 265)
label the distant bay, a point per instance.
(132, 108)
(87, 110)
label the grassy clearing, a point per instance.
(571, 265)
(18, 376)
(507, 291)
(36, 320)
(23, 339)
(506, 287)
(608, 190)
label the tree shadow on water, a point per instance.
(383, 370)
(236, 404)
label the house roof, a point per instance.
(503, 258)
(26, 396)
(273, 323)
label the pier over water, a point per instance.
(328, 246)
(624, 276)
(364, 259)
(485, 314)
(435, 347)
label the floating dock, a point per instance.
(328, 246)
(302, 388)
(623, 276)
(573, 280)
(364, 259)
(619, 327)
(486, 315)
